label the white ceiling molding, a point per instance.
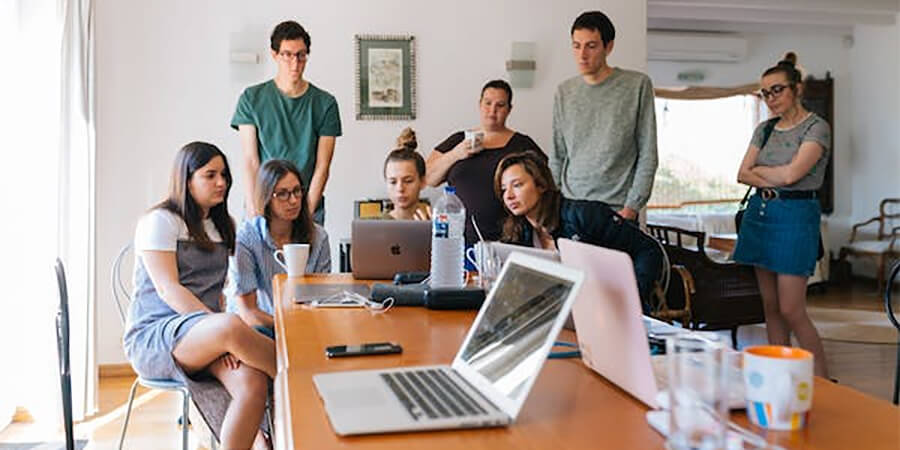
(735, 15)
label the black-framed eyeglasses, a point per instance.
(288, 56)
(285, 195)
(773, 92)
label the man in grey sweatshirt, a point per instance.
(604, 125)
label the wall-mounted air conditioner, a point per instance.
(707, 47)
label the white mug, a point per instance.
(295, 256)
(779, 384)
(475, 138)
(473, 254)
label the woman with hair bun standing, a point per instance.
(779, 233)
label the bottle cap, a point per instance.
(449, 189)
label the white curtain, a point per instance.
(76, 195)
(46, 184)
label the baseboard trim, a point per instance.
(115, 370)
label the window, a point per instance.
(701, 144)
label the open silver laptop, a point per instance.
(381, 248)
(491, 375)
(610, 328)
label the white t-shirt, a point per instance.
(160, 229)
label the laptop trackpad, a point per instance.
(357, 397)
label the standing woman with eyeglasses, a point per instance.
(779, 232)
(283, 218)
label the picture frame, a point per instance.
(385, 77)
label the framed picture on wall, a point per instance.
(385, 77)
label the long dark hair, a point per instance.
(549, 203)
(180, 202)
(269, 175)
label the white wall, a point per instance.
(874, 160)
(875, 99)
(164, 79)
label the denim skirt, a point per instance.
(780, 235)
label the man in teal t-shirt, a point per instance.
(289, 118)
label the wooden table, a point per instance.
(724, 242)
(569, 407)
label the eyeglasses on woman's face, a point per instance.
(773, 91)
(285, 195)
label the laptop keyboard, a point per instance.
(431, 393)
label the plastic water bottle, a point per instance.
(447, 242)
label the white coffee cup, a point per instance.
(295, 256)
(475, 138)
(779, 385)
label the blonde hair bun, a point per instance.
(407, 139)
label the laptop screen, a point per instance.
(504, 347)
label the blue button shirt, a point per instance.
(253, 264)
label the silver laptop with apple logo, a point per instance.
(491, 376)
(381, 248)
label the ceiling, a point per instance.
(830, 16)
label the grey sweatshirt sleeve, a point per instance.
(557, 155)
(647, 160)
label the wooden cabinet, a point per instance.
(818, 97)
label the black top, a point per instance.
(596, 223)
(473, 179)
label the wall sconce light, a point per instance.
(244, 57)
(521, 64)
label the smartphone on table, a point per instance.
(373, 348)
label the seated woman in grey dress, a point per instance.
(176, 328)
(283, 218)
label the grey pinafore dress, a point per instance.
(154, 328)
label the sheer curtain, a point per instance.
(46, 180)
(76, 194)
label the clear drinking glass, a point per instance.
(698, 372)
(489, 265)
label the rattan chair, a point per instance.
(885, 246)
(717, 295)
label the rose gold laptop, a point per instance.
(608, 320)
(610, 327)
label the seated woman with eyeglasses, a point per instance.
(175, 327)
(779, 232)
(404, 174)
(539, 215)
(283, 218)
